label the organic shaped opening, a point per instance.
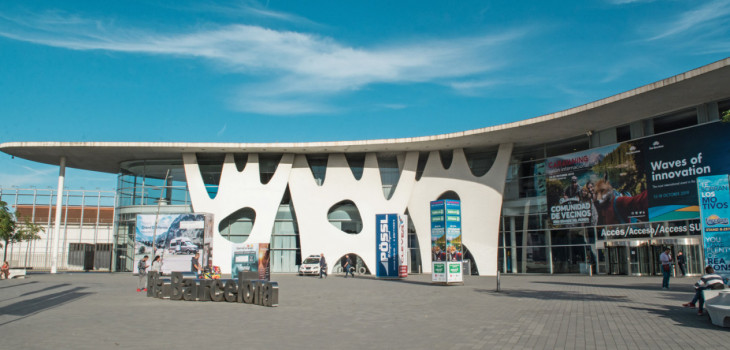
(357, 163)
(473, 269)
(285, 245)
(211, 167)
(357, 263)
(345, 217)
(414, 248)
(449, 195)
(422, 160)
(240, 159)
(318, 166)
(237, 226)
(267, 166)
(389, 174)
(446, 157)
(480, 160)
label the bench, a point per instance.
(17, 273)
(717, 303)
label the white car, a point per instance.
(310, 266)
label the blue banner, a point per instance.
(438, 231)
(453, 230)
(652, 179)
(714, 199)
(386, 239)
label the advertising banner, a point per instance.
(402, 246)
(245, 259)
(446, 243)
(439, 271)
(386, 240)
(714, 198)
(650, 179)
(173, 237)
(264, 259)
(438, 231)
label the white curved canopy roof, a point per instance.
(701, 85)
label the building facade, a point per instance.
(87, 228)
(322, 197)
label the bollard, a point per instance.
(499, 288)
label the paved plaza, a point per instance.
(103, 311)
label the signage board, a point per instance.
(402, 246)
(386, 241)
(446, 244)
(252, 259)
(652, 179)
(175, 238)
(714, 199)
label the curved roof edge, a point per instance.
(705, 84)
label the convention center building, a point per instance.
(603, 187)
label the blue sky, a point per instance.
(292, 71)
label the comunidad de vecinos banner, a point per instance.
(650, 179)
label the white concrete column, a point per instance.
(57, 224)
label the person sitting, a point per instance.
(709, 281)
(5, 270)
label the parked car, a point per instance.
(183, 245)
(310, 266)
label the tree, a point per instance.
(725, 117)
(11, 231)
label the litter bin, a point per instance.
(466, 267)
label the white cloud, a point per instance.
(623, 2)
(707, 16)
(302, 69)
(222, 130)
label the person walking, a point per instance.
(195, 264)
(142, 269)
(708, 281)
(322, 266)
(666, 260)
(5, 270)
(681, 262)
(348, 267)
(157, 265)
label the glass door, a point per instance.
(639, 260)
(618, 260)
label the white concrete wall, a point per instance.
(36, 253)
(481, 199)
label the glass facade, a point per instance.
(527, 243)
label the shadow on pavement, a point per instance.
(398, 280)
(680, 315)
(45, 289)
(25, 308)
(37, 291)
(19, 284)
(634, 286)
(553, 295)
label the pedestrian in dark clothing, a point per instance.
(681, 262)
(195, 264)
(322, 266)
(348, 267)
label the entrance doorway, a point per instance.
(641, 257)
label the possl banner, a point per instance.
(386, 241)
(714, 198)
